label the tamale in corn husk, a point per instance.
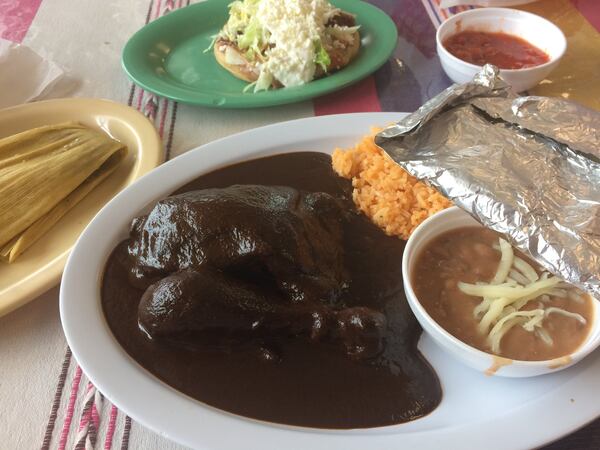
(44, 172)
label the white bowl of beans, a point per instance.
(524, 46)
(490, 306)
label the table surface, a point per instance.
(46, 399)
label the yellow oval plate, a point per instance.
(40, 267)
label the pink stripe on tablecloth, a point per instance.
(16, 17)
(360, 97)
(157, 10)
(95, 415)
(139, 103)
(110, 431)
(161, 128)
(83, 436)
(590, 10)
(169, 6)
(150, 107)
(86, 414)
(70, 408)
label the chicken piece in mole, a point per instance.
(248, 261)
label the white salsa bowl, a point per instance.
(536, 30)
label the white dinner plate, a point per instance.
(476, 412)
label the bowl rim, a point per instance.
(505, 11)
(580, 352)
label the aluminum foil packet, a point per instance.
(527, 167)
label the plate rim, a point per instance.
(33, 286)
(246, 101)
(526, 430)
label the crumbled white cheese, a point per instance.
(295, 26)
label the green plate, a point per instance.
(167, 57)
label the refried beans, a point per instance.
(468, 255)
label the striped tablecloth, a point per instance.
(45, 398)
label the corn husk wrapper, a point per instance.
(44, 172)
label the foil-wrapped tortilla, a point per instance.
(527, 167)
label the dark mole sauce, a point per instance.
(310, 385)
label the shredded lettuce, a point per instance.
(242, 16)
(248, 87)
(321, 56)
(244, 29)
(251, 39)
(263, 83)
(213, 39)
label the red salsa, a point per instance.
(500, 49)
